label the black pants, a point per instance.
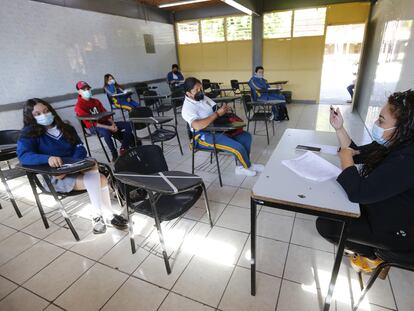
(361, 239)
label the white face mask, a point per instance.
(45, 119)
(110, 82)
(259, 75)
(87, 94)
(378, 133)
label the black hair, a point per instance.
(106, 79)
(36, 130)
(174, 66)
(189, 83)
(258, 68)
(401, 105)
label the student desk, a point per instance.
(279, 187)
(226, 99)
(46, 171)
(8, 148)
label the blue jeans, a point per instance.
(238, 145)
(127, 136)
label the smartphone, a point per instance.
(308, 148)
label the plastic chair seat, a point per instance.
(260, 116)
(402, 258)
(162, 135)
(170, 206)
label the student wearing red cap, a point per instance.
(106, 127)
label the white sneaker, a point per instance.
(240, 170)
(257, 167)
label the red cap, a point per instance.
(81, 84)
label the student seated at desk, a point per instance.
(383, 186)
(175, 77)
(47, 140)
(260, 91)
(86, 105)
(199, 111)
(112, 88)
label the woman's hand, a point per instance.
(60, 176)
(55, 161)
(346, 155)
(336, 119)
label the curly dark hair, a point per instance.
(36, 130)
(402, 108)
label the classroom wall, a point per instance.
(389, 63)
(298, 60)
(46, 48)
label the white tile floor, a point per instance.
(47, 270)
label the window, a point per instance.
(188, 32)
(309, 22)
(239, 28)
(277, 25)
(212, 30)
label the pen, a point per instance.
(332, 109)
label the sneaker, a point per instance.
(122, 151)
(119, 222)
(271, 117)
(257, 167)
(98, 225)
(364, 264)
(240, 170)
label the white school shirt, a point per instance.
(195, 110)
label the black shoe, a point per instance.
(114, 156)
(119, 222)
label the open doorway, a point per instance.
(343, 44)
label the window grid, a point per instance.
(212, 30)
(309, 22)
(238, 28)
(188, 32)
(277, 25)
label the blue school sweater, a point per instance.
(258, 86)
(37, 150)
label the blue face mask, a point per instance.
(45, 119)
(87, 94)
(378, 134)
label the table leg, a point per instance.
(337, 264)
(253, 246)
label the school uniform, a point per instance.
(38, 150)
(174, 76)
(386, 198)
(259, 87)
(93, 106)
(122, 100)
(238, 145)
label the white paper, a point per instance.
(313, 167)
(327, 149)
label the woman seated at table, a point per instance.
(383, 186)
(122, 100)
(261, 91)
(175, 77)
(46, 140)
(199, 111)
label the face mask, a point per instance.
(45, 119)
(110, 82)
(199, 96)
(86, 94)
(378, 133)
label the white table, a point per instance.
(279, 187)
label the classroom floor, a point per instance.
(47, 270)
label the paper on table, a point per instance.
(313, 167)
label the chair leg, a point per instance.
(130, 222)
(248, 123)
(371, 282)
(179, 142)
(217, 160)
(207, 203)
(160, 234)
(103, 148)
(273, 126)
(61, 207)
(10, 194)
(267, 132)
(37, 199)
(254, 131)
(211, 158)
(86, 140)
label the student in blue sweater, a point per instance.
(262, 91)
(47, 140)
(175, 78)
(112, 88)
